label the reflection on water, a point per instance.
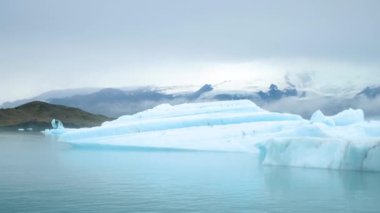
(39, 175)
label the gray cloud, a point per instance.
(213, 29)
(59, 44)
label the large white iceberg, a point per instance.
(343, 141)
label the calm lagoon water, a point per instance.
(40, 175)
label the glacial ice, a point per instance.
(56, 124)
(343, 141)
(343, 118)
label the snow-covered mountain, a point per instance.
(302, 100)
(370, 92)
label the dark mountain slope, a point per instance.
(370, 92)
(38, 115)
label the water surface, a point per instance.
(40, 175)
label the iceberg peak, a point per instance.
(344, 118)
(319, 117)
(348, 117)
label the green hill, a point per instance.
(38, 115)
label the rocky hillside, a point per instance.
(37, 115)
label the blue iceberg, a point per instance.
(343, 141)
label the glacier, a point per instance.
(342, 141)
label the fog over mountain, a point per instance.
(302, 100)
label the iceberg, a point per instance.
(343, 141)
(56, 124)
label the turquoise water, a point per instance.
(39, 175)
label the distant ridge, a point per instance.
(370, 92)
(304, 101)
(63, 93)
(115, 102)
(37, 116)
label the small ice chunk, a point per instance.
(56, 124)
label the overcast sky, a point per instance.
(48, 44)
